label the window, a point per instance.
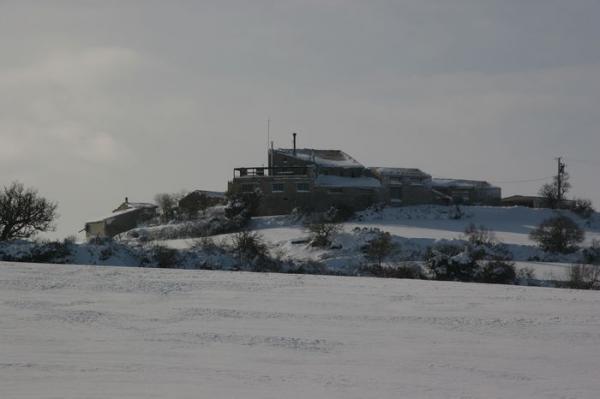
(302, 187)
(277, 188)
(335, 191)
(247, 188)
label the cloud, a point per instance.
(53, 108)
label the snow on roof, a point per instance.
(141, 205)
(325, 158)
(113, 215)
(131, 207)
(403, 172)
(339, 181)
(210, 194)
(134, 205)
(460, 183)
(522, 197)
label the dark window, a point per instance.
(247, 188)
(277, 187)
(336, 191)
(302, 187)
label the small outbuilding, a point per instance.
(126, 216)
(199, 200)
(472, 192)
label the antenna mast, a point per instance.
(268, 141)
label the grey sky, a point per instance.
(103, 99)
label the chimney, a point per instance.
(294, 134)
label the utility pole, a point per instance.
(559, 179)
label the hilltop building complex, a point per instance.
(316, 179)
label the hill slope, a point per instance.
(94, 332)
(414, 229)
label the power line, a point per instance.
(523, 181)
(586, 161)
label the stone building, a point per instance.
(314, 180)
(405, 186)
(469, 192)
(308, 179)
(125, 217)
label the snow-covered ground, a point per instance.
(414, 229)
(95, 332)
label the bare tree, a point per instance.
(167, 204)
(23, 212)
(551, 193)
(379, 247)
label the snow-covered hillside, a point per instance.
(96, 332)
(414, 229)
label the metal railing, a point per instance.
(273, 171)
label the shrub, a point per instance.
(471, 263)
(242, 204)
(379, 247)
(339, 213)
(308, 267)
(498, 272)
(407, 271)
(206, 244)
(584, 276)
(592, 253)
(249, 247)
(449, 262)
(165, 257)
(106, 253)
(480, 235)
(321, 233)
(525, 274)
(583, 208)
(39, 252)
(70, 240)
(559, 234)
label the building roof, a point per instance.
(124, 208)
(134, 205)
(400, 172)
(523, 198)
(324, 158)
(459, 183)
(209, 194)
(109, 218)
(339, 181)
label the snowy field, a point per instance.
(104, 332)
